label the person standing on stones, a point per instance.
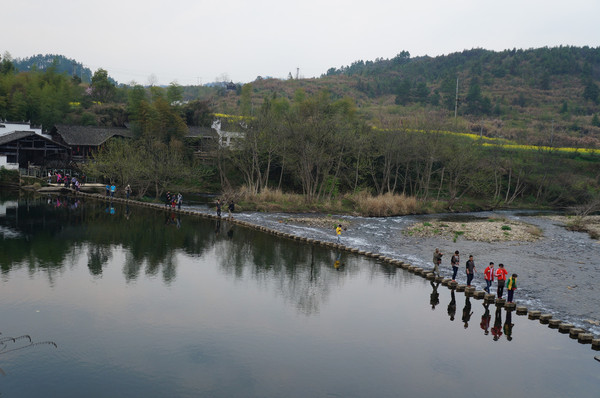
(219, 208)
(470, 270)
(437, 260)
(338, 232)
(179, 200)
(231, 208)
(113, 188)
(501, 277)
(511, 286)
(455, 261)
(128, 191)
(489, 276)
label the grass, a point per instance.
(361, 203)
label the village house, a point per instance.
(23, 146)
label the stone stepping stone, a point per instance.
(565, 327)
(521, 310)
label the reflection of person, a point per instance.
(485, 319)
(218, 227)
(434, 298)
(437, 260)
(218, 207)
(467, 312)
(511, 286)
(489, 276)
(230, 233)
(497, 329)
(338, 265)
(338, 232)
(501, 277)
(508, 325)
(470, 270)
(452, 305)
(455, 260)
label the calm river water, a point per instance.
(104, 301)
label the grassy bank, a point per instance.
(358, 204)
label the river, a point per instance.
(104, 300)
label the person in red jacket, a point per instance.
(489, 276)
(501, 277)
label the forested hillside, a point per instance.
(59, 63)
(538, 96)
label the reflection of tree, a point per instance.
(50, 228)
(98, 255)
(302, 274)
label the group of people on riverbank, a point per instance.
(489, 273)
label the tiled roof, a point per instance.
(88, 135)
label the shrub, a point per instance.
(385, 205)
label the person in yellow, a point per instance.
(338, 231)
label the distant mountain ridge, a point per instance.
(62, 64)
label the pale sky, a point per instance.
(200, 41)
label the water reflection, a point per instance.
(452, 305)
(466, 317)
(485, 318)
(434, 297)
(13, 344)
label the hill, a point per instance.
(62, 65)
(544, 96)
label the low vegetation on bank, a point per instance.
(358, 204)
(484, 230)
(588, 224)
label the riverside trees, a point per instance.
(322, 147)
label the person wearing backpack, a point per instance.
(511, 286)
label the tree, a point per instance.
(174, 93)
(246, 100)
(591, 92)
(102, 89)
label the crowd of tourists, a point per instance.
(173, 200)
(500, 274)
(66, 179)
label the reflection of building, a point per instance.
(22, 145)
(86, 140)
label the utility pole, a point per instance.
(297, 73)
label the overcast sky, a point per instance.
(200, 41)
